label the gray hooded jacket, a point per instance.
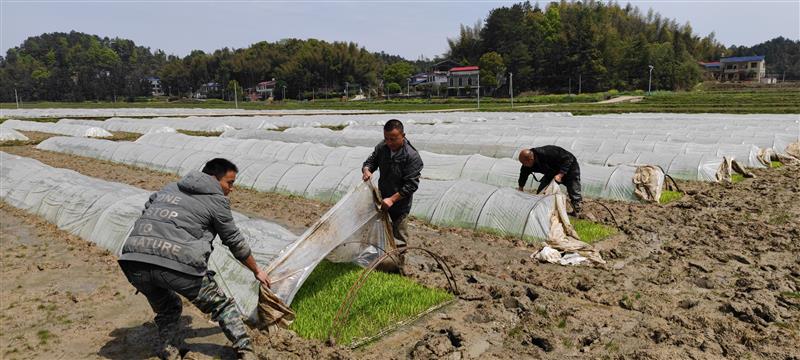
(178, 224)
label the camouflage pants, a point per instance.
(160, 286)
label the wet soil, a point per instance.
(713, 275)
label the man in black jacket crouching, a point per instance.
(556, 164)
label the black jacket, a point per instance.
(549, 160)
(399, 174)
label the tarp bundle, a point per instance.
(9, 134)
(608, 182)
(54, 128)
(103, 212)
(499, 209)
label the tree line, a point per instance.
(591, 45)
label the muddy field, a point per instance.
(713, 275)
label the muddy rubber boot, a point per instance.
(246, 355)
(169, 352)
(576, 211)
(169, 340)
(192, 355)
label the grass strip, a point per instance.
(385, 300)
(751, 101)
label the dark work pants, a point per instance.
(161, 285)
(400, 228)
(572, 181)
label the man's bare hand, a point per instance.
(263, 278)
(387, 203)
(366, 175)
(559, 177)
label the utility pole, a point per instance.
(650, 79)
(235, 95)
(16, 98)
(579, 84)
(408, 87)
(284, 93)
(570, 86)
(479, 89)
(511, 88)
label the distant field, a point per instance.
(754, 101)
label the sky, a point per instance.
(407, 28)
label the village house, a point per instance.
(463, 80)
(744, 68)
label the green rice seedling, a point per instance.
(591, 232)
(385, 300)
(668, 196)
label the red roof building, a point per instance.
(463, 80)
(465, 68)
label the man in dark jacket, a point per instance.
(168, 248)
(400, 167)
(556, 164)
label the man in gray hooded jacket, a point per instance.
(168, 248)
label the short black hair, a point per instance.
(393, 124)
(218, 167)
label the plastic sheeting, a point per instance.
(131, 127)
(500, 144)
(690, 166)
(499, 209)
(143, 126)
(54, 128)
(609, 182)
(152, 112)
(103, 212)
(324, 183)
(9, 134)
(698, 167)
(353, 227)
(766, 131)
